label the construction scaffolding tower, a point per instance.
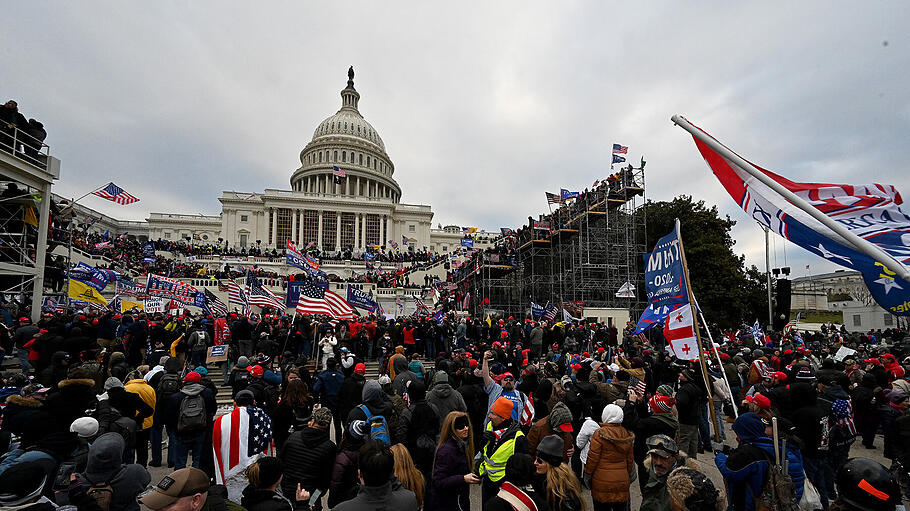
(27, 172)
(578, 256)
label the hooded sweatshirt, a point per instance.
(402, 375)
(105, 464)
(443, 397)
(377, 402)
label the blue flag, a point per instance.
(148, 253)
(537, 311)
(565, 195)
(467, 242)
(664, 278)
(618, 159)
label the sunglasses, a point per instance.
(508, 379)
(539, 461)
(461, 423)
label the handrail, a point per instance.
(24, 146)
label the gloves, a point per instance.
(587, 480)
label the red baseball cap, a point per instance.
(565, 428)
(360, 369)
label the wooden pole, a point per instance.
(701, 355)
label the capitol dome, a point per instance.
(347, 141)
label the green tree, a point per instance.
(728, 292)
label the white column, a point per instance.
(294, 233)
(382, 239)
(319, 232)
(273, 214)
(356, 231)
(357, 187)
(337, 230)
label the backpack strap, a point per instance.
(366, 411)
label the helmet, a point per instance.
(867, 484)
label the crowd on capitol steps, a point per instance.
(526, 413)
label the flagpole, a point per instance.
(720, 364)
(701, 355)
(848, 236)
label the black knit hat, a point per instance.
(520, 470)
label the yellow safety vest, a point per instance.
(494, 467)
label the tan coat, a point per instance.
(610, 463)
(541, 429)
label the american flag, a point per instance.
(318, 301)
(103, 245)
(637, 385)
(550, 311)
(620, 149)
(527, 413)
(552, 198)
(215, 306)
(116, 194)
(239, 438)
(236, 294)
(338, 172)
(843, 412)
(642, 337)
(422, 309)
(789, 326)
(261, 295)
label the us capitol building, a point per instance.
(361, 211)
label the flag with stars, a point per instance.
(870, 211)
(239, 438)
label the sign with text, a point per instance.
(216, 354)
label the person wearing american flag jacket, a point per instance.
(244, 426)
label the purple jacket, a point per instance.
(450, 491)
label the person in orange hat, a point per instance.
(504, 438)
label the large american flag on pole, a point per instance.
(238, 439)
(322, 302)
(116, 194)
(261, 295)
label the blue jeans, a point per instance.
(156, 436)
(815, 471)
(704, 428)
(22, 353)
(719, 417)
(185, 445)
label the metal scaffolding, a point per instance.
(27, 172)
(577, 256)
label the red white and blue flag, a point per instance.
(871, 211)
(240, 438)
(261, 295)
(620, 149)
(116, 194)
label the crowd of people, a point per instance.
(538, 416)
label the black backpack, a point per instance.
(110, 420)
(168, 385)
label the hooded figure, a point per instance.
(746, 467)
(610, 460)
(443, 397)
(105, 465)
(377, 403)
(402, 374)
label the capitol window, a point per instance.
(336, 156)
(344, 157)
(360, 159)
(411, 228)
(320, 157)
(345, 125)
(244, 218)
(368, 160)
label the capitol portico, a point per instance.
(355, 212)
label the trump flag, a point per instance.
(870, 211)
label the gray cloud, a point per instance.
(482, 106)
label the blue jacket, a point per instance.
(327, 385)
(748, 464)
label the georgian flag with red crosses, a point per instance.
(680, 333)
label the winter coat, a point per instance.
(345, 479)
(285, 417)
(145, 391)
(610, 463)
(387, 497)
(129, 405)
(18, 412)
(418, 428)
(308, 457)
(689, 401)
(171, 411)
(349, 395)
(450, 491)
(747, 467)
(402, 375)
(644, 425)
(71, 399)
(264, 500)
(327, 385)
(445, 400)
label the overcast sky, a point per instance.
(483, 106)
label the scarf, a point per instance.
(516, 498)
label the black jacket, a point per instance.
(264, 500)
(308, 456)
(350, 393)
(645, 425)
(689, 400)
